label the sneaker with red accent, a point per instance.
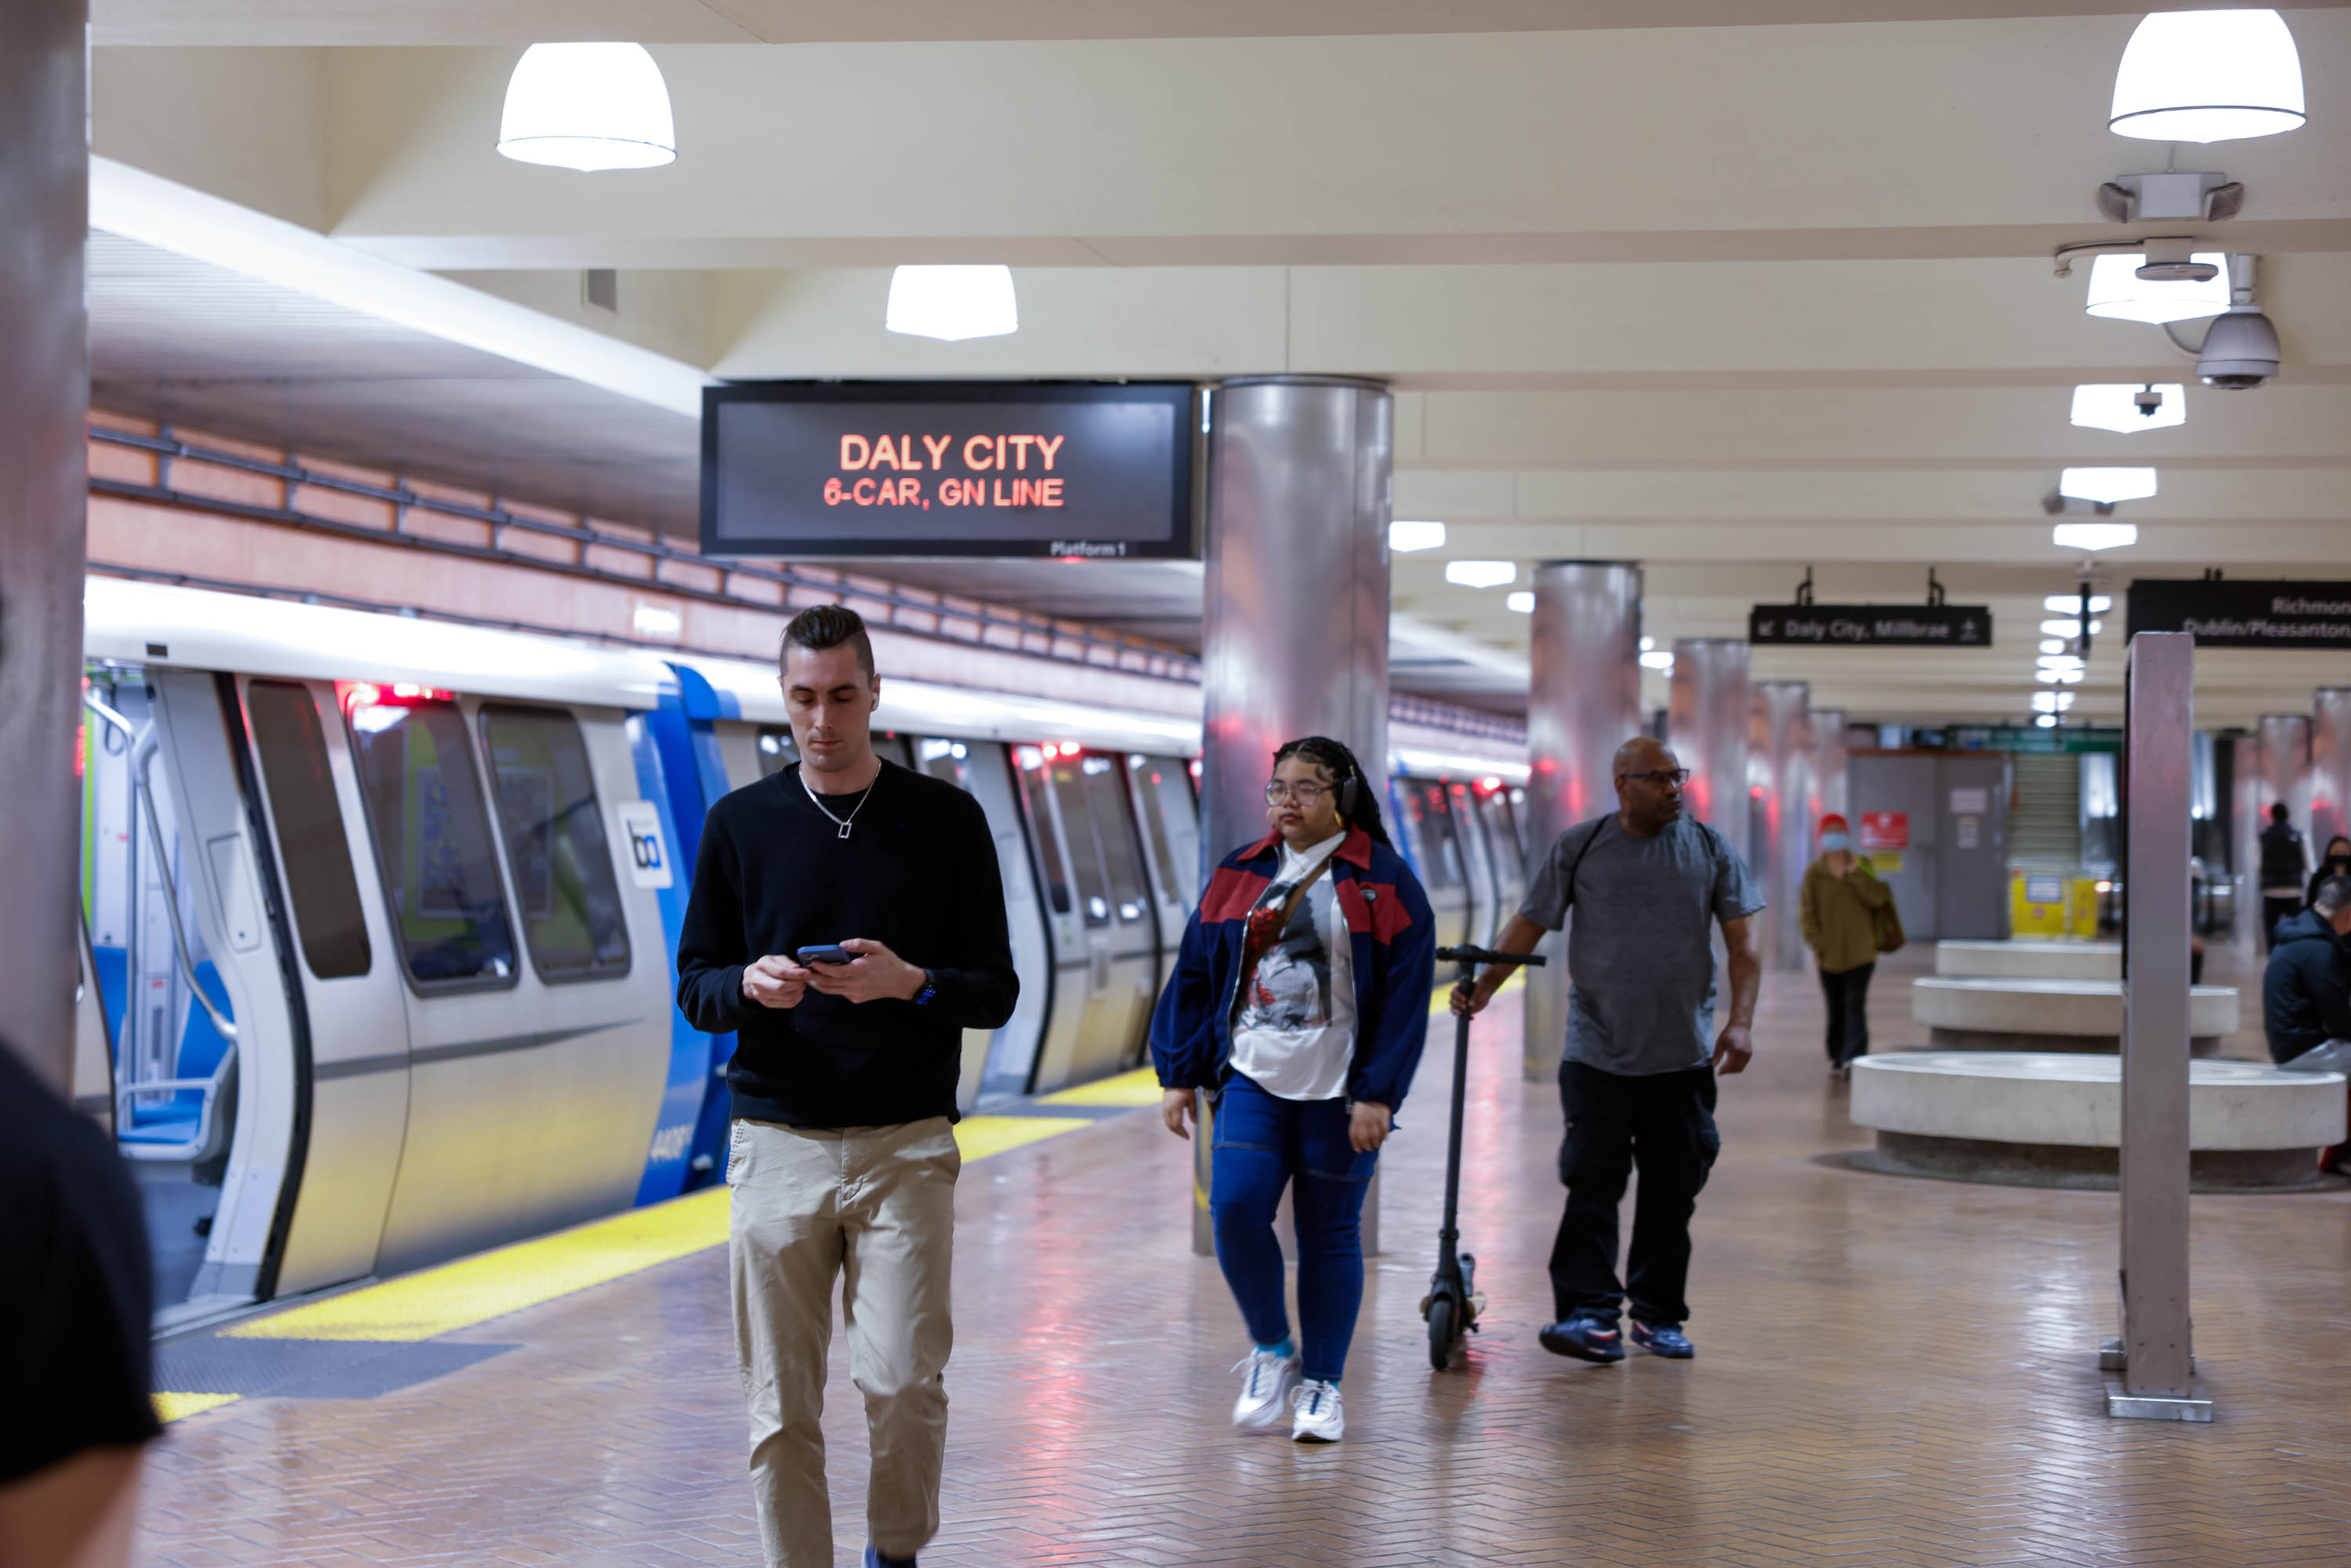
(1663, 1339)
(1586, 1336)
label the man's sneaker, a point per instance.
(1321, 1417)
(1586, 1337)
(875, 1559)
(1266, 1383)
(1663, 1339)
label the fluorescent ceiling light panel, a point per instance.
(2061, 677)
(1660, 662)
(2110, 405)
(2059, 661)
(1481, 573)
(1523, 602)
(2208, 76)
(2107, 485)
(2053, 644)
(1647, 643)
(588, 107)
(2093, 535)
(953, 303)
(2069, 628)
(1405, 537)
(2052, 702)
(157, 212)
(2118, 293)
(2071, 604)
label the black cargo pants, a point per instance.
(1662, 1124)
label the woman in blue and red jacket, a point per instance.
(1298, 1005)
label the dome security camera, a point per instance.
(2240, 350)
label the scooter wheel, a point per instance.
(1441, 1332)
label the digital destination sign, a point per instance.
(1080, 471)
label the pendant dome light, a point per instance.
(2118, 293)
(2126, 408)
(952, 303)
(2208, 76)
(2105, 486)
(588, 107)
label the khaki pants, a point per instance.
(875, 1204)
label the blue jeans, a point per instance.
(1261, 1141)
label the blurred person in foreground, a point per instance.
(74, 1404)
(1636, 1079)
(1838, 907)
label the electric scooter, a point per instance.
(1452, 1304)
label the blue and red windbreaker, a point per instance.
(1394, 951)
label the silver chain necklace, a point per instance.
(843, 823)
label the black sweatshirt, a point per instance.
(918, 875)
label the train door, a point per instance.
(1502, 843)
(1003, 1055)
(1171, 842)
(1439, 860)
(351, 995)
(1077, 915)
(1478, 858)
(1093, 787)
(538, 1021)
(208, 1063)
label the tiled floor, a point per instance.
(1890, 1370)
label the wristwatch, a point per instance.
(930, 990)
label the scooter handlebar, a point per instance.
(1469, 955)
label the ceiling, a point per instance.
(1728, 288)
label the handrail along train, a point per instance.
(380, 915)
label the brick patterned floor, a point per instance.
(1890, 1372)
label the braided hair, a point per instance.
(1339, 763)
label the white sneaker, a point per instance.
(1321, 1417)
(1265, 1388)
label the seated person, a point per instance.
(2306, 990)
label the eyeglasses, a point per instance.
(1304, 794)
(1677, 777)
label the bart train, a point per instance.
(380, 915)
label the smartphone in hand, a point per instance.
(829, 953)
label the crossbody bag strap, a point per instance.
(1251, 953)
(1572, 866)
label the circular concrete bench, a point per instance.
(2051, 1118)
(2008, 1013)
(2029, 960)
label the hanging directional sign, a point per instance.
(1870, 625)
(2244, 613)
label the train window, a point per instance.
(432, 833)
(1086, 845)
(1503, 834)
(1031, 769)
(1106, 800)
(555, 842)
(1437, 831)
(775, 750)
(315, 855)
(1150, 776)
(948, 760)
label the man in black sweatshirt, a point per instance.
(842, 1155)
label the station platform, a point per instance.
(1890, 1370)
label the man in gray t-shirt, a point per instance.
(1637, 1078)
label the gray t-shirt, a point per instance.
(1640, 959)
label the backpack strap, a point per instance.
(1590, 839)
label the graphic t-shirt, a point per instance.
(1294, 1021)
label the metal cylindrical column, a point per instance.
(1294, 611)
(2330, 767)
(1584, 701)
(1783, 727)
(1829, 761)
(2249, 805)
(44, 411)
(1705, 724)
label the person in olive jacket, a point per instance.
(1837, 907)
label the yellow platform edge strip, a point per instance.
(491, 1284)
(172, 1407)
(1140, 1087)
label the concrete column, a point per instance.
(44, 409)
(2330, 767)
(1706, 724)
(1584, 701)
(1294, 611)
(1783, 727)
